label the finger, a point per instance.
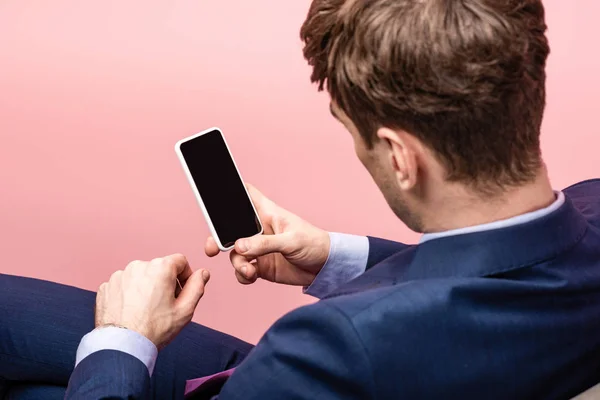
(248, 272)
(261, 245)
(112, 292)
(243, 280)
(99, 310)
(243, 267)
(261, 202)
(210, 248)
(182, 268)
(254, 192)
(115, 278)
(192, 292)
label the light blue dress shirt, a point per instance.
(347, 260)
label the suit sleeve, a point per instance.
(313, 352)
(109, 374)
(380, 249)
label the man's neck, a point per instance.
(461, 208)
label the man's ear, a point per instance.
(402, 156)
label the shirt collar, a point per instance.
(519, 219)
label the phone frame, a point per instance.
(190, 179)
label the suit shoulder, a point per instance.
(586, 198)
(587, 188)
(397, 309)
(405, 330)
(405, 298)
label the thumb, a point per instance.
(192, 291)
(261, 245)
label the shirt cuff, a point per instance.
(119, 339)
(348, 256)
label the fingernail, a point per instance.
(245, 270)
(243, 245)
(205, 275)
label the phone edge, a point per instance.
(191, 182)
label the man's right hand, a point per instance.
(291, 251)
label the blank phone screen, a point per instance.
(221, 188)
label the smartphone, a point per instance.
(218, 187)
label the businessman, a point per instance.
(500, 299)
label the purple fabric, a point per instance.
(208, 385)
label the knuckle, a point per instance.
(165, 267)
(238, 261)
(242, 279)
(169, 267)
(159, 265)
(157, 261)
(116, 275)
(132, 266)
(134, 263)
(238, 268)
(232, 257)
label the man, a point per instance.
(499, 300)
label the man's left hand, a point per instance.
(143, 298)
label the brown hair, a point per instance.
(467, 77)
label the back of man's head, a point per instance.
(465, 77)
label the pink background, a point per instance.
(93, 95)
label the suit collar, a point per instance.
(518, 220)
(491, 252)
(478, 254)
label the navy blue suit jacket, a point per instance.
(512, 313)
